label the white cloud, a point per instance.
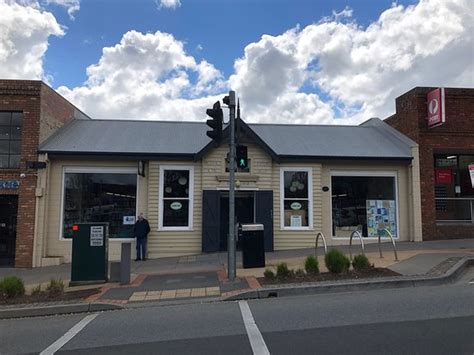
(71, 6)
(360, 70)
(24, 32)
(147, 76)
(168, 4)
(333, 71)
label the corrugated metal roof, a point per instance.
(373, 139)
(128, 137)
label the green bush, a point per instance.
(269, 274)
(282, 271)
(55, 287)
(300, 273)
(360, 262)
(336, 261)
(12, 286)
(311, 265)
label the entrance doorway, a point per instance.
(244, 213)
(250, 207)
(8, 214)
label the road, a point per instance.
(424, 320)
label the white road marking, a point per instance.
(71, 333)
(471, 282)
(255, 337)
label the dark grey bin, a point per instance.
(253, 246)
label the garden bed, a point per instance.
(373, 272)
(43, 297)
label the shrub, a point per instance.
(300, 273)
(269, 274)
(55, 287)
(311, 265)
(12, 286)
(336, 261)
(282, 271)
(36, 290)
(360, 262)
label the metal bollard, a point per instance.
(125, 263)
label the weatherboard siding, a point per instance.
(166, 243)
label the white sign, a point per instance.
(176, 206)
(97, 236)
(127, 220)
(296, 221)
(295, 206)
(471, 172)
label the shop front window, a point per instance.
(176, 194)
(10, 139)
(100, 197)
(296, 198)
(454, 188)
(363, 203)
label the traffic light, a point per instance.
(241, 156)
(216, 123)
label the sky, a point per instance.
(289, 61)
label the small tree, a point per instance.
(361, 262)
(12, 286)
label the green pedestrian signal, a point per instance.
(241, 155)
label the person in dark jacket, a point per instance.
(141, 230)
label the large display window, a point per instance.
(95, 196)
(364, 203)
(296, 198)
(454, 188)
(176, 194)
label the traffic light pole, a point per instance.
(231, 262)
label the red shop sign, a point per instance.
(443, 176)
(436, 113)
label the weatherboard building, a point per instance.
(300, 180)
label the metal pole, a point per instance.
(231, 263)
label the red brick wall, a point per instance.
(23, 96)
(44, 111)
(455, 136)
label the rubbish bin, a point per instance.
(253, 246)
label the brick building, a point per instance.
(30, 112)
(446, 152)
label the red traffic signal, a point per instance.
(216, 122)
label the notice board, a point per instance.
(381, 214)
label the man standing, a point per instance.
(142, 228)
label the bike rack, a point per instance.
(393, 243)
(316, 244)
(359, 235)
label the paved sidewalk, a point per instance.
(203, 277)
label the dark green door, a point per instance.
(8, 219)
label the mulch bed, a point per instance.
(45, 297)
(329, 276)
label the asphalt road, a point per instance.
(425, 320)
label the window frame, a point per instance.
(10, 140)
(189, 227)
(96, 170)
(366, 173)
(309, 171)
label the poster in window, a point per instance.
(296, 221)
(383, 216)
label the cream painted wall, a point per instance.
(209, 173)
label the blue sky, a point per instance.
(221, 27)
(289, 61)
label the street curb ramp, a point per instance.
(50, 310)
(357, 285)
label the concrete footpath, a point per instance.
(202, 278)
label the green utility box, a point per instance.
(89, 253)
